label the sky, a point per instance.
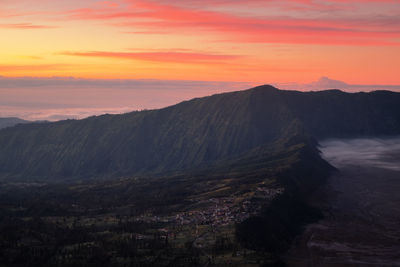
(71, 59)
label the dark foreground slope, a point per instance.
(211, 217)
(190, 135)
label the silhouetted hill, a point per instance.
(195, 134)
(9, 122)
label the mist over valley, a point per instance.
(361, 204)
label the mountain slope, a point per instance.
(9, 122)
(334, 113)
(186, 135)
(193, 134)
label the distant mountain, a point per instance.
(9, 122)
(195, 134)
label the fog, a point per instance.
(74, 98)
(367, 152)
(361, 207)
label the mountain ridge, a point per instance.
(192, 134)
(11, 121)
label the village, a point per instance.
(219, 211)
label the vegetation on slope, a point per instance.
(190, 135)
(184, 219)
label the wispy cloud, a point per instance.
(25, 26)
(57, 98)
(156, 16)
(35, 67)
(63, 97)
(372, 152)
(24, 82)
(161, 56)
(60, 113)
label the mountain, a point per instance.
(333, 113)
(9, 122)
(194, 134)
(223, 180)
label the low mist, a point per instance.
(369, 152)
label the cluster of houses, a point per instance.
(220, 211)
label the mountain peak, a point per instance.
(265, 88)
(325, 83)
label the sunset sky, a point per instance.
(231, 43)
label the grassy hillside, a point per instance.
(191, 135)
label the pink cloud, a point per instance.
(108, 4)
(155, 17)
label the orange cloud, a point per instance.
(34, 68)
(25, 26)
(171, 56)
(234, 40)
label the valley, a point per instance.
(361, 206)
(207, 218)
